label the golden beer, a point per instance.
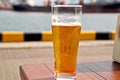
(66, 41)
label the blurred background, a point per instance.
(35, 15)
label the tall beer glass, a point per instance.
(66, 27)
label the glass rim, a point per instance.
(67, 6)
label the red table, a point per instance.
(98, 70)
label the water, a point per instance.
(38, 22)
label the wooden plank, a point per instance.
(22, 74)
(81, 72)
(107, 69)
(34, 72)
(89, 75)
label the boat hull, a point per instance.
(86, 8)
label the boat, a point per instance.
(87, 8)
(28, 8)
(107, 8)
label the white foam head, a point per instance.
(66, 21)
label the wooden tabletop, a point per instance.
(97, 70)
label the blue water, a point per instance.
(38, 22)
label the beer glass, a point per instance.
(66, 27)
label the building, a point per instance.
(62, 2)
(47, 2)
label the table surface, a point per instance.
(99, 70)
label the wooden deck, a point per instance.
(97, 56)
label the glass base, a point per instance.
(65, 76)
(65, 79)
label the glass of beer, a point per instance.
(66, 27)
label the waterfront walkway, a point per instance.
(12, 55)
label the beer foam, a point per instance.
(68, 21)
(67, 24)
